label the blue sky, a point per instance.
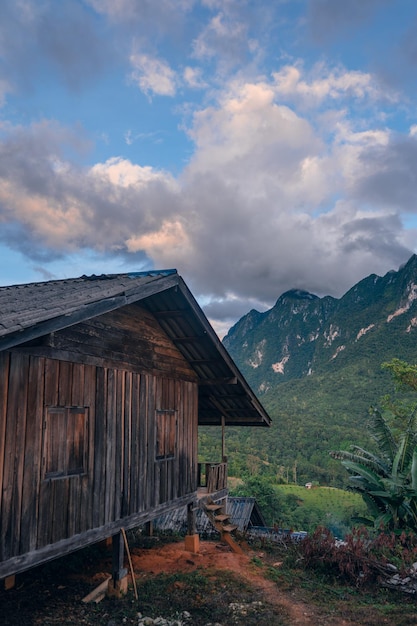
(255, 146)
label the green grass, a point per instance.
(324, 506)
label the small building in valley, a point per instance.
(104, 381)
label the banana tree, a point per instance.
(386, 481)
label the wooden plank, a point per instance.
(4, 383)
(64, 321)
(182, 479)
(80, 355)
(87, 501)
(119, 442)
(159, 393)
(14, 454)
(9, 583)
(145, 450)
(118, 570)
(130, 335)
(51, 551)
(99, 484)
(33, 455)
(98, 593)
(148, 428)
(110, 451)
(51, 382)
(134, 444)
(59, 496)
(74, 498)
(65, 382)
(78, 385)
(127, 451)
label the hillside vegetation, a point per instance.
(315, 364)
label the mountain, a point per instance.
(303, 334)
(315, 363)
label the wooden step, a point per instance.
(232, 543)
(213, 507)
(222, 518)
(229, 528)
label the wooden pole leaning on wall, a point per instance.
(132, 573)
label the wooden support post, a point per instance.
(223, 438)
(149, 529)
(118, 571)
(192, 539)
(191, 519)
(118, 583)
(9, 582)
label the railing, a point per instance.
(212, 476)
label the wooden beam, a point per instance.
(223, 438)
(193, 339)
(191, 519)
(218, 381)
(98, 593)
(24, 562)
(118, 557)
(167, 314)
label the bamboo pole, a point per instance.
(132, 573)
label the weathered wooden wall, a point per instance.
(121, 371)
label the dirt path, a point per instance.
(172, 558)
(52, 594)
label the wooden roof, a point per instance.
(32, 310)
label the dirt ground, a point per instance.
(52, 594)
(173, 558)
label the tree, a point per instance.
(269, 501)
(387, 481)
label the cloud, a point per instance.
(387, 176)
(323, 84)
(225, 39)
(152, 75)
(263, 205)
(193, 78)
(39, 38)
(381, 35)
(142, 10)
(61, 208)
(328, 19)
(274, 207)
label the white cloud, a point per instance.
(323, 84)
(152, 75)
(123, 173)
(261, 147)
(225, 39)
(283, 187)
(127, 10)
(193, 78)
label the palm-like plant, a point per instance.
(387, 482)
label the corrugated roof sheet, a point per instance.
(36, 309)
(244, 513)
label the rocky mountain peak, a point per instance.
(304, 334)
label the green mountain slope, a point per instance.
(316, 365)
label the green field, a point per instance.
(327, 506)
(290, 506)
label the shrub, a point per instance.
(361, 558)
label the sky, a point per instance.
(254, 145)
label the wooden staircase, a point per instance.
(221, 522)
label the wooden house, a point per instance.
(104, 381)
